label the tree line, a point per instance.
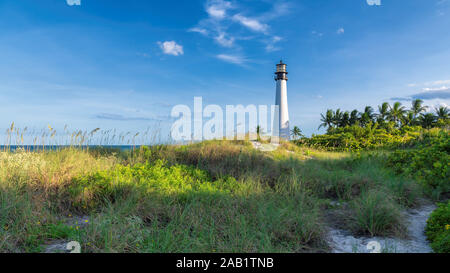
(395, 115)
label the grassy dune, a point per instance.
(217, 196)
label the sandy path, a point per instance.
(343, 242)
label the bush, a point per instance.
(438, 230)
(429, 163)
(356, 138)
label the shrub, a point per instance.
(429, 163)
(438, 229)
(356, 138)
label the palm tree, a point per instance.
(367, 116)
(327, 120)
(442, 112)
(397, 113)
(383, 111)
(417, 107)
(409, 119)
(345, 120)
(337, 117)
(296, 132)
(354, 116)
(427, 120)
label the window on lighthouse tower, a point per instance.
(281, 68)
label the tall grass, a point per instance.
(375, 213)
(155, 206)
(215, 196)
(50, 138)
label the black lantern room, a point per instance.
(281, 73)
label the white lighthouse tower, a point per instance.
(282, 102)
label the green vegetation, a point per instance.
(428, 164)
(226, 196)
(392, 127)
(376, 214)
(438, 228)
(213, 196)
(371, 137)
(388, 117)
(412, 143)
(151, 205)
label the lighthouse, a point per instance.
(282, 102)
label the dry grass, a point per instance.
(219, 196)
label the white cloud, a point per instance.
(433, 93)
(271, 44)
(440, 82)
(340, 31)
(276, 38)
(215, 12)
(317, 33)
(218, 8)
(279, 9)
(250, 23)
(73, 2)
(272, 48)
(434, 84)
(228, 22)
(171, 48)
(436, 103)
(212, 26)
(223, 40)
(198, 30)
(443, 104)
(436, 88)
(231, 58)
(374, 2)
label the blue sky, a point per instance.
(124, 64)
